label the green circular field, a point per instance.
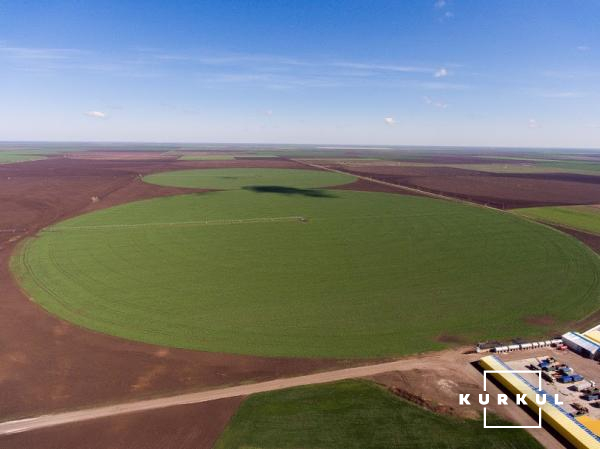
(236, 178)
(320, 273)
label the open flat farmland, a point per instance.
(9, 157)
(501, 190)
(49, 364)
(356, 415)
(585, 166)
(244, 271)
(206, 157)
(537, 166)
(583, 218)
(233, 179)
(507, 166)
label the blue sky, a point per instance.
(453, 72)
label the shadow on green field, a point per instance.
(314, 193)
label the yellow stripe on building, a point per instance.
(591, 423)
(570, 429)
(593, 335)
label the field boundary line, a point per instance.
(390, 184)
(556, 223)
(546, 223)
(181, 223)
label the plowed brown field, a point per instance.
(504, 191)
(194, 426)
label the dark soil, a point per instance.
(185, 427)
(503, 191)
(368, 186)
(591, 240)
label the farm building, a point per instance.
(582, 344)
(564, 423)
(593, 334)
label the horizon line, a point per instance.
(325, 146)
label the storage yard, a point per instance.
(574, 378)
(570, 377)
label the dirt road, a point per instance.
(438, 376)
(412, 190)
(39, 422)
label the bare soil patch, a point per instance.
(505, 191)
(194, 426)
(416, 399)
(255, 158)
(437, 386)
(368, 186)
(453, 339)
(541, 320)
(591, 240)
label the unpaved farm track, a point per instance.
(437, 377)
(40, 422)
(500, 190)
(47, 364)
(194, 426)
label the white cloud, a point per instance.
(437, 104)
(33, 53)
(212, 70)
(268, 112)
(389, 121)
(570, 74)
(444, 14)
(532, 123)
(439, 85)
(382, 67)
(95, 114)
(227, 59)
(440, 73)
(583, 48)
(565, 94)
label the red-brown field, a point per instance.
(591, 240)
(367, 186)
(504, 191)
(194, 426)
